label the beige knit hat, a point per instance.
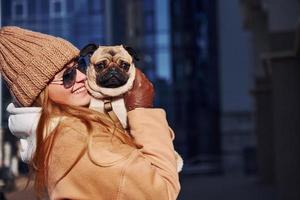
(29, 60)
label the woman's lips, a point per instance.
(80, 90)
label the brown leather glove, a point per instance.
(142, 93)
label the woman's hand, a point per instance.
(142, 93)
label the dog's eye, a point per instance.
(100, 65)
(125, 65)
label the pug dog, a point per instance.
(110, 74)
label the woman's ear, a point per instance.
(88, 49)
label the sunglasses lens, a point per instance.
(82, 65)
(69, 77)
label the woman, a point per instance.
(79, 153)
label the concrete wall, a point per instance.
(236, 74)
(283, 14)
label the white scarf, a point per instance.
(22, 123)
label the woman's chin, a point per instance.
(80, 99)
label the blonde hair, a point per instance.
(45, 141)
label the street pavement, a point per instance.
(238, 187)
(195, 187)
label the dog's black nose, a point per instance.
(113, 71)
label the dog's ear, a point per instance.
(88, 49)
(131, 52)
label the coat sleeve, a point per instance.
(157, 158)
(22, 123)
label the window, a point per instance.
(95, 7)
(148, 5)
(19, 9)
(149, 23)
(149, 40)
(57, 8)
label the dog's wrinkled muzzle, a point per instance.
(112, 78)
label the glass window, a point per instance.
(19, 9)
(57, 8)
(149, 40)
(149, 23)
(148, 5)
(163, 64)
(162, 39)
(95, 6)
(177, 39)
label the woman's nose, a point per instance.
(80, 76)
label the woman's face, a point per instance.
(76, 95)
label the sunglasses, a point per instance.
(69, 75)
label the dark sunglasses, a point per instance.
(69, 75)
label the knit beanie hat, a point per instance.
(29, 60)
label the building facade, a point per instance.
(195, 80)
(274, 27)
(63, 18)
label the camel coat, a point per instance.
(115, 166)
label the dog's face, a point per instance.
(111, 71)
(111, 66)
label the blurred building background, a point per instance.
(177, 43)
(226, 72)
(275, 37)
